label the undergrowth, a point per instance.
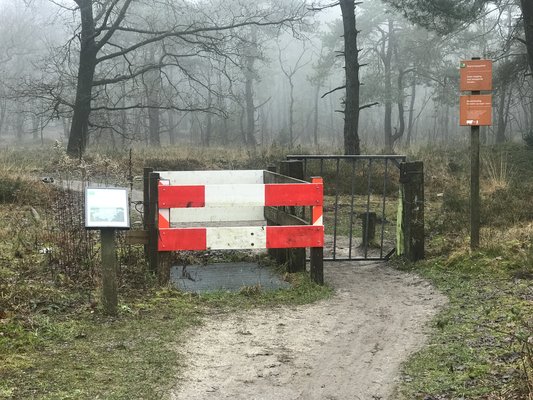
(54, 341)
(481, 345)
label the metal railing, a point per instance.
(357, 189)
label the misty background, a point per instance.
(258, 84)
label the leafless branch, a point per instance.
(368, 105)
(333, 90)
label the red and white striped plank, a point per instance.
(163, 220)
(318, 211)
(241, 195)
(225, 238)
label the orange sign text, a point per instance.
(476, 110)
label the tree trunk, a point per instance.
(291, 113)
(3, 108)
(351, 70)
(249, 91)
(527, 14)
(411, 112)
(401, 111)
(315, 122)
(35, 127)
(500, 128)
(386, 56)
(77, 141)
(209, 117)
(171, 128)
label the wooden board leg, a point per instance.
(317, 265)
(163, 268)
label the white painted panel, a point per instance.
(216, 214)
(212, 177)
(248, 237)
(235, 195)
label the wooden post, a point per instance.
(273, 253)
(152, 227)
(368, 228)
(317, 265)
(109, 271)
(163, 269)
(295, 257)
(146, 201)
(412, 216)
(475, 201)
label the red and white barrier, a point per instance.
(242, 237)
(230, 197)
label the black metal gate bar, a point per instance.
(368, 217)
(352, 201)
(385, 178)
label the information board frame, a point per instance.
(107, 208)
(475, 75)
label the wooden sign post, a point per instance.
(107, 209)
(475, 111)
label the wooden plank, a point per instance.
(137, 237)
(244, 238)
(280, 217)
(281, 237)
(176, 239)
(185, 196)
(235, 195)
(306, 194)
(213, 177)
(180, 216)
(245, 195)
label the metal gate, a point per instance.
(360, 203)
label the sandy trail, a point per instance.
(348, 347)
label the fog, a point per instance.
(256, 74)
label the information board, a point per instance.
(476, 75)
(476, 110)
(106, 208)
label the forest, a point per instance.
(414, 279)
(142, 73)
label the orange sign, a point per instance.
(476, 75)
(476, 110)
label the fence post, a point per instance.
(109, 271)
(153, 255)
(295, 257)
(410, 236)
(146, 201)
(274, 253)
(316, 266)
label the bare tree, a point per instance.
(289, 72)
(114, 31)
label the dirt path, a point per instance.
(348, 347)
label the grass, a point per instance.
(54, 341)
(481, 343)
(83, 355)
(478, 341)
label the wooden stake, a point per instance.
(475, 201)
(109, 271)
